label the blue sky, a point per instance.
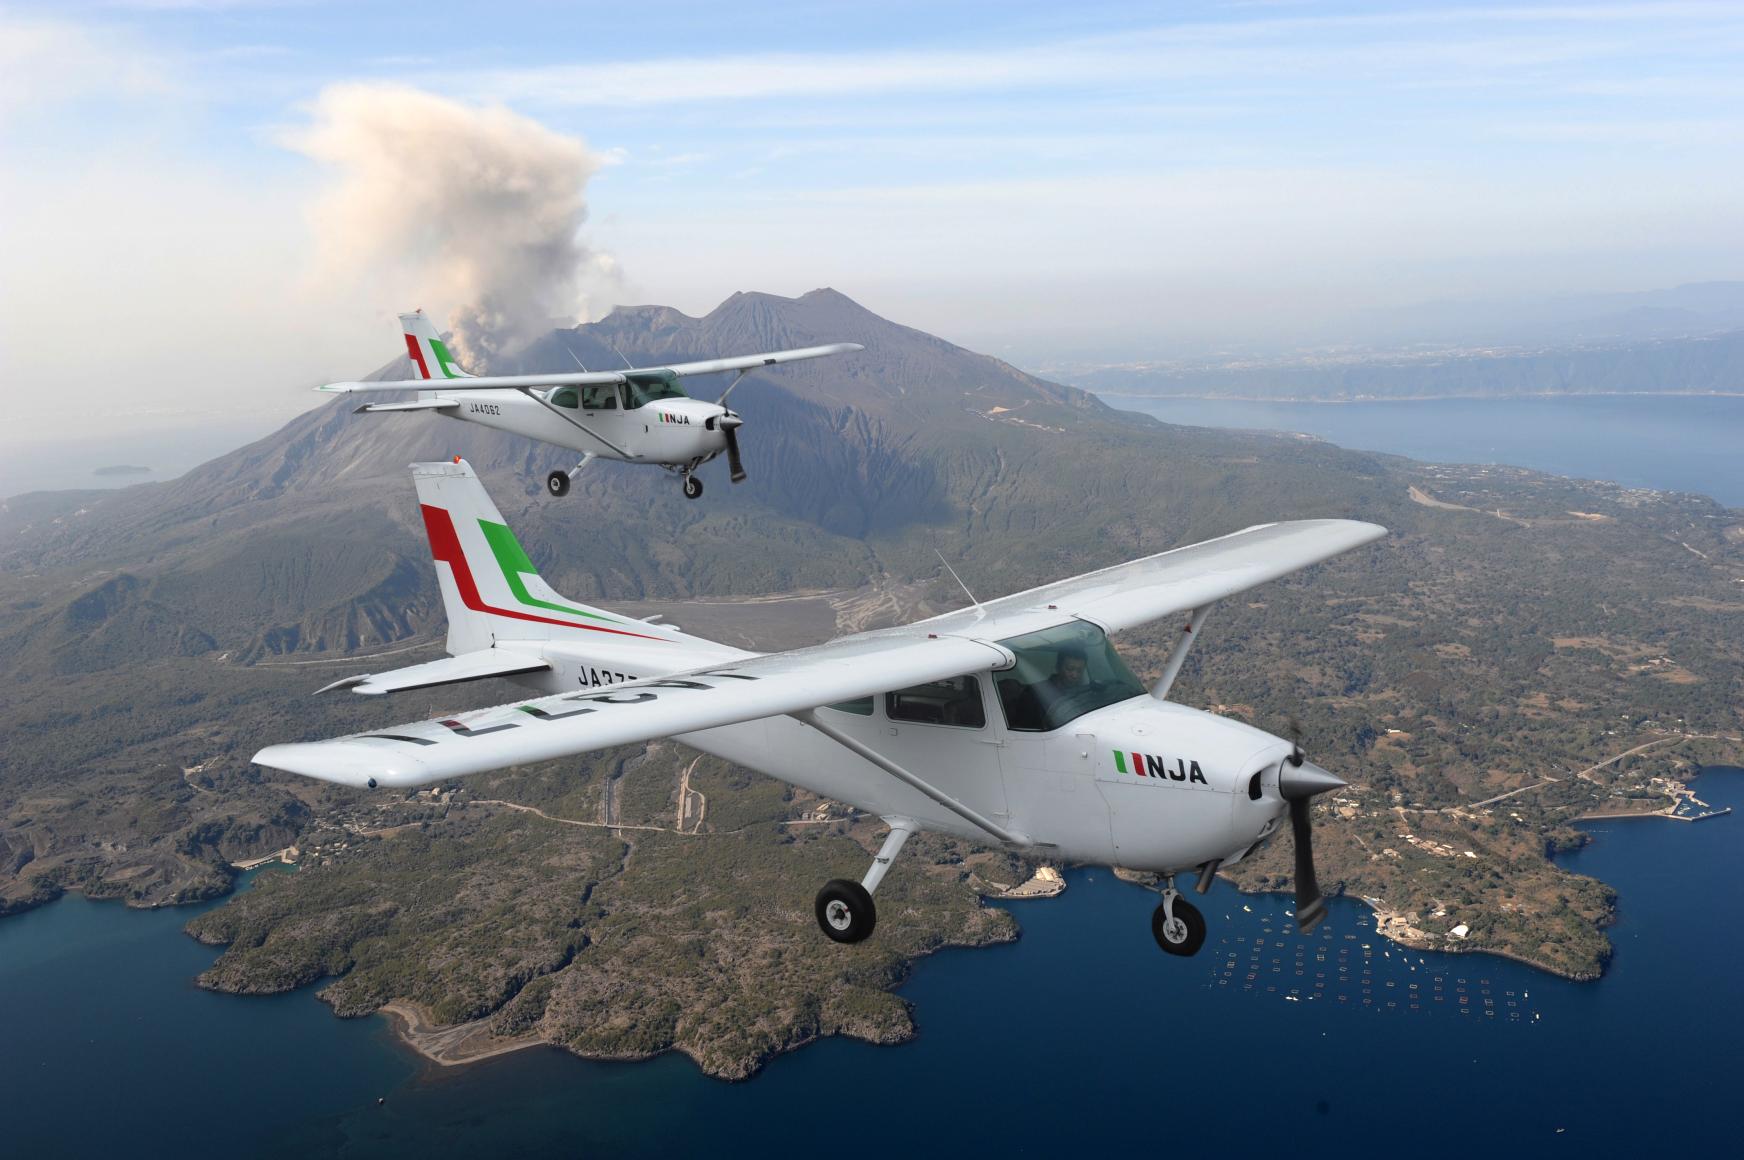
(1047, 182)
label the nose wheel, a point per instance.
(1177, 925)
(692, 486)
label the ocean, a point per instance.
(1081, 1036)
(1670, 443)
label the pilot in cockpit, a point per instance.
(1070, 680)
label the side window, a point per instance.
(599, 398)
(953, 702)
(631, 402)
(564, 398)
(859, 706)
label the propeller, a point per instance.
(730, 424)
(1299, 783)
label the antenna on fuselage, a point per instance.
(959, 581)
(620, 354)
(577, 359)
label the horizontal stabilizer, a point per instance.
(414, 405)
(472, 666)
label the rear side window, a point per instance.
(956, 701)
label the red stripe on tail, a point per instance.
(417, 353)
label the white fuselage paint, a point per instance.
(1064, 789)
(674, 431)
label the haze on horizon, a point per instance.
(213, 205)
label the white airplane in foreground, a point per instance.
(1013, 722)
(638, 415)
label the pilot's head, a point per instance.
(1069, 667)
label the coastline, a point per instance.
(1200, 396)
(454, 1045)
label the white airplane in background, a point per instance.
(639, 415)
(1013, 722)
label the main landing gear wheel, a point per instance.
(1183, 934)
(692, 487)
(846, 914)
(557, 483)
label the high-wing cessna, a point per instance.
(1012, 722)
(639, 415)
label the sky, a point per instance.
(208, 206)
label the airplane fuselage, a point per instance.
(675, 431)
(1142, 783)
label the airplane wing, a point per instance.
(855, 666)
(472, 666)
(1138, 592)
(570, 723)
(592, 378)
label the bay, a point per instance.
(1080, 1036)
(1665, 442)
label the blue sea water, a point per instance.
(1081, 1037)
(1671, 443)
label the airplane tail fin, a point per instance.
(490, 589)
(430, 357)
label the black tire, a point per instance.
(845, 911)
(692, 487)
(1188, 934)
(557, 484)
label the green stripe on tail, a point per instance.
(512, 559)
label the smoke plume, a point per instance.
(477, 210)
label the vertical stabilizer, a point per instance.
(429, 354)
(491, 590)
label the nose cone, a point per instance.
(1301, 782)
(729, 421)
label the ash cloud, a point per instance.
(477, 209)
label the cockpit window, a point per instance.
(564, 398)
(1061, 674)
(956, 701)
(651, 386)
(599, 397)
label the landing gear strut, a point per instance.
(1177, 925)
(844, 909)
(692, 486)
(557, 483)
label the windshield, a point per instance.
(1061, 674)
(649, 386)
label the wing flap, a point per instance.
(571, 723)
(414, 405)
(472, 666)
